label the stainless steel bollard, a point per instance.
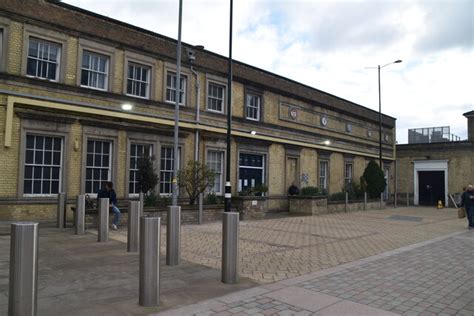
(149, 282)
(365, 201)
(408, 199)
(173, 235)
(381, 200)
(347, 201)
(23, 290)
(103, 234)
(80, 215)
(61, 207)
(133, 235)
(230, 248)
(142, 203)
(201, 198)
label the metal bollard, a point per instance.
(381, 200)
(230, 248)
(365, 201)
(61, 207)
(133, 235)
(347, 201)
(103, 234)
(396, 200)
(149, 281)
(201, 198)
(23, 289)
(408, 199)
(173, 235)
(80, 215)
(142, 203)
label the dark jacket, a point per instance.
(108, 194)
(467, 199)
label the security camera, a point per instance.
(191, 56)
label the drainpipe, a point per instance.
(196, 141)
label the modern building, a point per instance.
(435, 164)
(65, 74)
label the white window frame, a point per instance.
(137, 82)
(172, 89)
(348, 172)
(95, 72)
(168, 171)
(323, 174)
(43, 165)
(109, 170)
(218, 173)
(256, 98)
(41, 59)
(215, 98)
(134, 168)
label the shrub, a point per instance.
(374, 179)
(339, 196)
(195, 178)
(354, 190)
(312, 191)
(258, 190)
(213, 199)
(146, 176)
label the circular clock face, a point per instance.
(386, 137)
(349, 127)
(324, 121)
(369, 133)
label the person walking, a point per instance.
(467, 201)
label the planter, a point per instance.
(308, 205)
(189, 213)
(250, 207)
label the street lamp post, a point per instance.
(380, 109)
(230, 220)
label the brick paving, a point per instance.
(280, 248)
(429, 278)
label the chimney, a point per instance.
(470, 125)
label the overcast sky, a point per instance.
(329, 45)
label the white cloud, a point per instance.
(329, 44)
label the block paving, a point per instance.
(428, 278)
(280, 248)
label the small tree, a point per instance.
(195, 178)
(374, 179)
(146, 176)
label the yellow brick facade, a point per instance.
(290, 122)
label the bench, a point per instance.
(91, 208)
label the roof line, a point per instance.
(131, 26)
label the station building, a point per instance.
(65, 74)
(434, 165)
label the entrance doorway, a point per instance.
(431, 187)
(430, 182)
(291, 172)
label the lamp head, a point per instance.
(397, 61)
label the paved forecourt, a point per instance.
(284, 247)
(428, 278)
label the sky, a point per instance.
(336, 46)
